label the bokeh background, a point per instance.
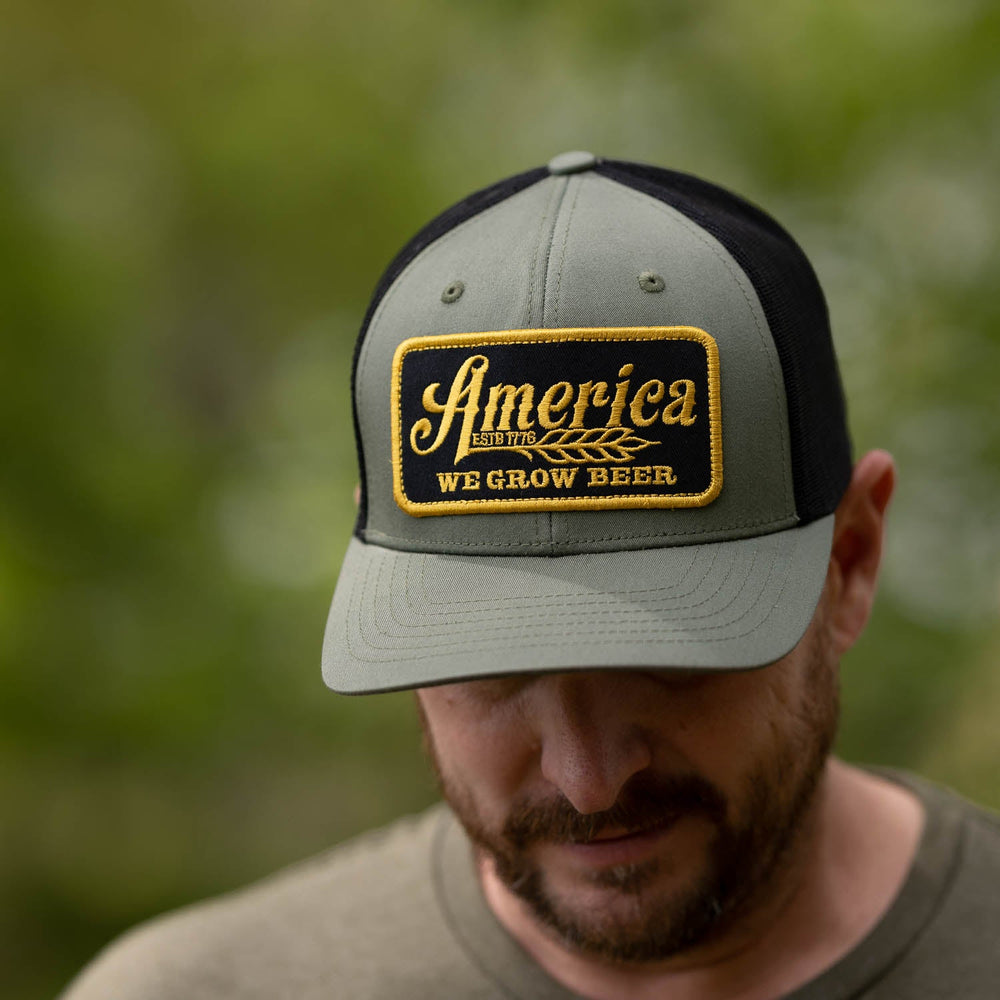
(196, 200)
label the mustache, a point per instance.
(645, 803)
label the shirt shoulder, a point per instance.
(324, 927)
(956, 953)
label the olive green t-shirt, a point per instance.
(399, 914)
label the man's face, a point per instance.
(638, 814)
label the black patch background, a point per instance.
(686, 449)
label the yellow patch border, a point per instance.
(541, 504)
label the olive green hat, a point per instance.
(600, 425)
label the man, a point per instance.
(609, 529)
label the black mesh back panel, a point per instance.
(476, 202)
(796, 312)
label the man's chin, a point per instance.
(634, 912)
(628, 914)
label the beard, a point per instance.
(752, 838)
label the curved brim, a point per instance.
(412, 619)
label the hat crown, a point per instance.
(600, 425)
(580, 251)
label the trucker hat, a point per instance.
(599, 425)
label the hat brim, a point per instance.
(412, 619)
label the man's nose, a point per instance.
(590, 742)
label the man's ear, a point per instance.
(858, 532)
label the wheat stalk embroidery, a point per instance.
(586, 444)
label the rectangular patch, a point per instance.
(569, 419)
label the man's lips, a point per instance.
(615, 833)
(619, 846)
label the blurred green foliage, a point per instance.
(196, 200)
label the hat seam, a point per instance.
(552, 217)
(547, 220)
(562, 250)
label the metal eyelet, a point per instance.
(650, 281)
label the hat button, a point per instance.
(572, 163)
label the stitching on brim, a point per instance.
(500, 600)
(660, 639)
(572, 608)
(472, 647)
